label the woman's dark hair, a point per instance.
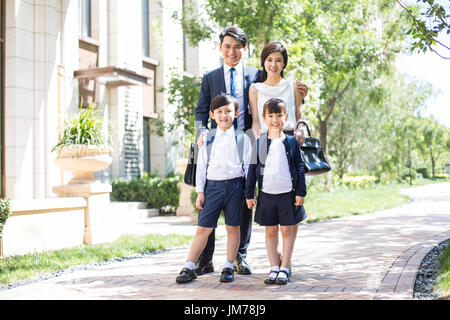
(274, 105)
(235, 32)
(223, 99)
(274, 46)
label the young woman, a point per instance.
(274, 59)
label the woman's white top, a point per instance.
(277, 176)
(283, 91)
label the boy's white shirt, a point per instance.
(224, 163)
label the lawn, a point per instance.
(17, 268)
(341, 203)
(443, 283)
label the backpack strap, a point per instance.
(262, 148)
(239, 137)
(209, 141)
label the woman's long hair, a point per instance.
(274, 46)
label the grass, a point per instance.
(341, 203)
(17, 268)
(443, 282)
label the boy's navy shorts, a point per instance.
(226, 195)
(278, 209)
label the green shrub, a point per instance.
(156, 191)
(359, 182)
(423, 172)
(5, 208)
(441, 176)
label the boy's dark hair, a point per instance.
(274, 105)
(235, 32)
(223, 99)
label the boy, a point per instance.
(222, 165)
(279, 170)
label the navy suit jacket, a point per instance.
(213, 84)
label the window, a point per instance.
(2, 97)
(85, 18)
(145, 29)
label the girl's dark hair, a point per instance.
(274, 46)
(235, 32)
(274, 105)
(223, 99)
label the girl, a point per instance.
(279, 169)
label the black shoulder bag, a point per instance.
(315, 162)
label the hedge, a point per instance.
(156, 191)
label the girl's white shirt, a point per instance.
(277, 176)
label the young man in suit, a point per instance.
(234, 78)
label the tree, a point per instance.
(346, 45)
(182, 92)
(435, 141)
(262, 20)
(427, 20)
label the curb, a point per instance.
(398, 283)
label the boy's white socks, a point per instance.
(228, 264)
(190, 265)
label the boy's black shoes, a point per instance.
(241, 266)
(186, 275)
(202, 268)
(227, 275)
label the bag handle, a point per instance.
(306, 124)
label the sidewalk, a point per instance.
(371, 256)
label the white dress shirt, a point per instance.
(224, 163)
(239, 88)
(277, 176)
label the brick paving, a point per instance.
(365, 257)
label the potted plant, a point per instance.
(83, 146)
(5, 208)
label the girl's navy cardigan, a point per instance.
(295, 161)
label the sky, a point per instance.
(436, 70)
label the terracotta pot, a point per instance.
(83, 161)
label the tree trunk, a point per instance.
(433, 164)
(323, 137)
(324, 145)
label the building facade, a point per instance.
(56, 54)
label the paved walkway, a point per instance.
(371, 256)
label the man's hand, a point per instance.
(251, 203)
(299, 200)
(300, 133)
(200, 139)
(200, 200)
(302, 88)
